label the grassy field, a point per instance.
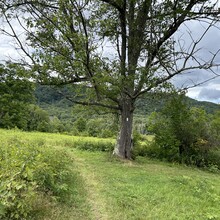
(103, 187)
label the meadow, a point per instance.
(54, 176)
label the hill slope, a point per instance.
(52, 101)
(149, 103)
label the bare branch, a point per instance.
(14, 35)
(200, 83)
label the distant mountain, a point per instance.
(149, 103)
(210, 107)
(50, 99)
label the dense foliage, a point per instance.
(32, 176)
(184, 134)
(16, 92)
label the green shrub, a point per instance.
(140, 149)
(80, 124)
(181, 134)
(101, 127)
(213, 158)
(100, 145)
(27, 171)
(137, 148)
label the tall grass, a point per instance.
(50, 139)
(37, 178)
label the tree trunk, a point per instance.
(124, 141)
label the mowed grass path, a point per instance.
(137, 190)
(147, 189)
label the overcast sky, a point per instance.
(209, 91)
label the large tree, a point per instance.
(115, 50)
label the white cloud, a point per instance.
(210, 94)
(194, 93)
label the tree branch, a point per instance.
(26, 2)
(115, 4)
(92, 104)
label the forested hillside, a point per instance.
(148, 104)
(51, 99)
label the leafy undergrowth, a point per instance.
(102, 187)
(38, 180)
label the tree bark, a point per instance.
(124, 141)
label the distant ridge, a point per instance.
(48, 96)
(210, 107)
(149, 103)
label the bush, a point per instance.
(80, 124)
(181, 134)
(100, 145)
(56, 125)
(213, 159)
(140, 149)
(27, 171)
(101, 127)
